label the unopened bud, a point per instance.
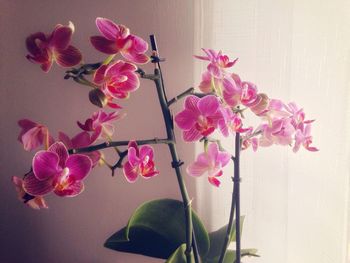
(98, 98)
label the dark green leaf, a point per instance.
(217, 239)
(157, 229)
(179, 255)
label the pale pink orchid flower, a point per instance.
(117, 79)
(55, 170)
(232, 91)
(218, 62)
(231, 122)
(100, 124)
(82, 139)
(34, 135)
(46, 49)
(34, 202)
(117, 38)
(140, 162)
(211, 163)
(280, 132)
(199, 118)
(303, 137)
(249, 140)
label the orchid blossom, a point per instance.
(117, 79)
(33, 135)
(35, 202)
(211, 162)
(199, 118)
(80, 140)
(44, 49)
(55, 170)
(140, 162)
(100, 124)
(117, 38)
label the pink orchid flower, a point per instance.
(249, 93)
(33, 135)
(231, 122)
(117, 38)
(56, 170)
(140, 162)
(218, 62)
(280, 132)
(249, 140)
(100, 124)
(211, 162)
(303, 137)
(44, 50)
(117, 79)
(199, 118)
(80, 140)
(35, 202)
(232, 90)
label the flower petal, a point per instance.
(68, 57)
(208, 105)
(72, 190)
(45, 165)
(104, 45)
(191, 135)
(130, 172)
(214, 181)
(191, 103)
(197, 169)
(186, 119)
(60, 149)
(107, 28)
(61, 37)
(133, 157)
(100, 74)
(32, 42)
(35, 187)
(79, 166)
(145, 151)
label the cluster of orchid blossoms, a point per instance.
(58, 168)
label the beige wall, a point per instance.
(73, 230)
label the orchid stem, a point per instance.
(235, 204)
(181, 95)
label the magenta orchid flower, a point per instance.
(199, 118)
(35, 202)
(218, 62)
(80, 140)
(100, 124)
(303, 137)
(44, 50)
(117, 38)
(117, 79)
(211, 162)
(33, 135)
(140, 162)
(55, 170)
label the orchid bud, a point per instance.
(98, 98)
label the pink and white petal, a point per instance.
(133, 144)
(201, 57)
(72, 190)
(191, 103)
(79, 166)
(214, 70)
(99, 75)
(97, 134)
(191, 135)
(150, 174)
(145, 151)
(130, 172)
(31, 139)
(68, 57)
(107, 28)
(60, 149)
(196, 169)
(131, 84)
(214, 181)
(186, 119)
(135, 57)
(45, 165)
(61, 37)
(33, 186)
(104, 45)
(223, 158)
(208, 105)
(82, 139)
(138, 45)
(129, 67)
(213, 151)
(133, 157)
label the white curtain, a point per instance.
(296, 205)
